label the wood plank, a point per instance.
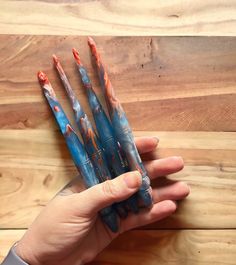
(185, 84)
(118, 17)
(172, 247)
(7, 239)
(195, 247)
(34, 165)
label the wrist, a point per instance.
(25, 253)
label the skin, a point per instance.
(69, 231)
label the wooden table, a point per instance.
(180, 89)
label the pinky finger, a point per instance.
(159, 211)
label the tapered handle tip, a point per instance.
(93, 49)
(43, 79)
(76, 56)
(55, 59)
(91, 41)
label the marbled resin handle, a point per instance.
(121, 127)
(91, 141)
(105, 131)
(76, 148)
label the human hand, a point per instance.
(69, 229)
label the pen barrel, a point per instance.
(97, 157)
(120, 125)
(80, 158)
(114, 157)
(93, 147)
(125, 137)
(100, 166)
(91, 141)
(95, 152)
(103, 125)
(111, 148)
(108, 215)
(107, 138)
(88, 174)
(112, 151)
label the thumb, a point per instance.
(110, 191)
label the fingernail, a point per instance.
(157, 139)
(189, 189)
(179, 157)
(174, 208)
(176, 203)
(133, 179)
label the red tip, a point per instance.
(57, 64)
(43, 79)
(91, 42)
(93, 48)
(55, 59)
(76, 56)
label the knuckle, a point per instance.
(110, 189)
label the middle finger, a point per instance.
(164, 166)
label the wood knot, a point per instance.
(47, 180)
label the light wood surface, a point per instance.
(180, 89)
(118, 17)
(195, 247)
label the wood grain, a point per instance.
(31, 176)
(172, 83)
(7, 239)
(61, 17)
(180, 89)
(195, 247)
